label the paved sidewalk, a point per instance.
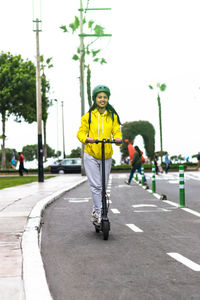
(16, 205)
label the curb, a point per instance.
(34, 278)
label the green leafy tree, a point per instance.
(91, 52)
(174, 158)
(161, 88)
(31, 152)
(181, 158)
(75, 152)
(17, 92)
(9, 155)
(177, 158)
(46, 102)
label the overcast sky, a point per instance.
(152, 41)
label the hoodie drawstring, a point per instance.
(102, 128)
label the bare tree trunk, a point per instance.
(3, 153)
(89, 86)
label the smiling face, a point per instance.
(102, 100)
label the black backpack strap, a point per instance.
(89, 119)
(112, 116)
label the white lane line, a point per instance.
(85, 198)
(152, 211)
(156, 195)
(123, 186)
(122, 176)
(144, 205)
(134, 228)
(191, 211)
(115, 211)
(185, 261)
(79, 200)
(193, 177)
(171, 203)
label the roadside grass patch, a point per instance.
(6, 182)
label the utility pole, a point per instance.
(82, 59)
(63, 130)
(39, 104)
(160, 126)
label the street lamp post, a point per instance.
(82, 58)
(82, 61)
(39, 104)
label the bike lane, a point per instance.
(151, 248)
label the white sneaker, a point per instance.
(96, 217)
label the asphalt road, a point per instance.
(140, 260)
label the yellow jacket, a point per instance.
(101, 127)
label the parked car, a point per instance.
(67, 165)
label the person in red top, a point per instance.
(143, 159)
(21, 164)
(131, 149)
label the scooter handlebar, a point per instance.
(105, 141)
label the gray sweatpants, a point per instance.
(93, 169)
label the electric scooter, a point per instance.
(104, 226)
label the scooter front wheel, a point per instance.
(105, 229)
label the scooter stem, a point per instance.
(104, 211)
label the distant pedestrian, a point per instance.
(167, 163)
(198, 158)
(156, 163)
(160, 169)
(131, 150)
(136, 165)
(21, 164)
(13, 162)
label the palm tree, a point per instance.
(46, 102)
(162, 88)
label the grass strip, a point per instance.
(6, 182)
